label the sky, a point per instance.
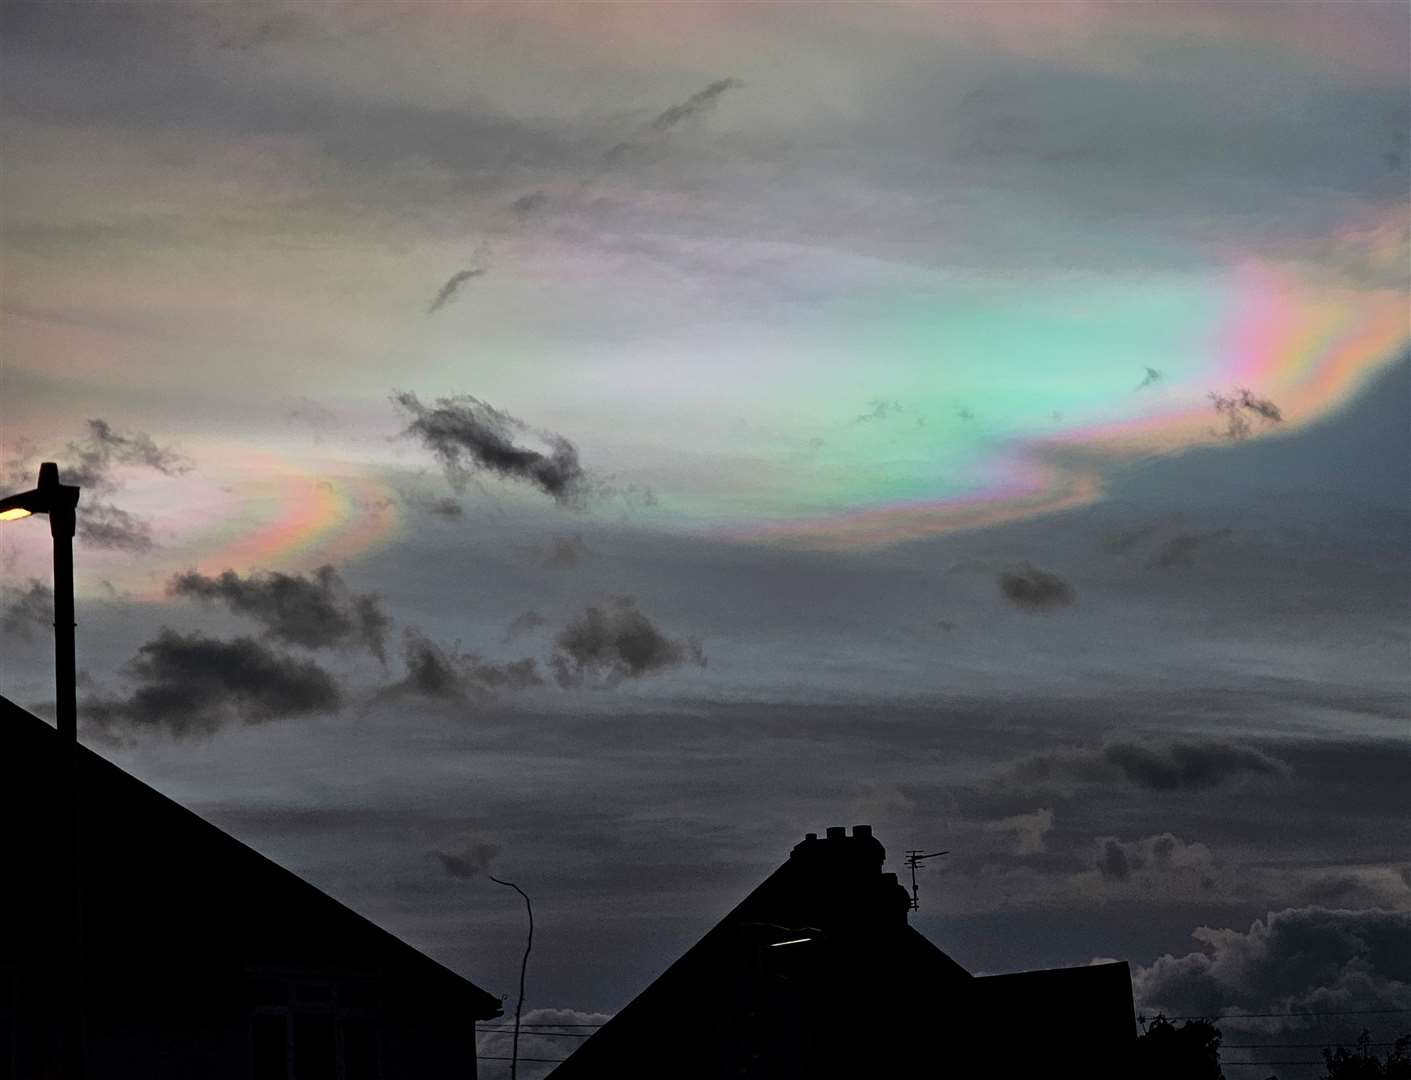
(598, 443)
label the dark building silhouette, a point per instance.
(200, 959)
(816, 974)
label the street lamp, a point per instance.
(59, 501)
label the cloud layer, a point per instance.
(1180, 765)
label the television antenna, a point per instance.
(914, 860)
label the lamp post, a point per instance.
(60, 501)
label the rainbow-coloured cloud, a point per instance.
(1307, 342)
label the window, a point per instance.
(312, 1028)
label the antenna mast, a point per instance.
(914, 860)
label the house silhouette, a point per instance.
(817, 975)
(200, 959)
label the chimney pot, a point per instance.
(837, 832)
(862, 830)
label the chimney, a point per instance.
(839, 881)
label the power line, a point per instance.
(541, 1034)
(1290, 1046)
(1266, 1064)
(1266, 1016)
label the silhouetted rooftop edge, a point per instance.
(30, 738)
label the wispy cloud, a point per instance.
(694, 105)
(699, 103)
(468, 435)
(1150, 379)
(453, 285)
(90, 464)
(1120, 542)
(879, 409)
(1236, 409)
(467, 860)
(1180, 549)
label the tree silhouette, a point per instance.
(1189, 1052)
(1363, 1064)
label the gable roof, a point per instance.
(829, 891)
(157, 871)
(816, 975)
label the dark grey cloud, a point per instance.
(1151, 378)
(1180, 765)
(317, 610)
(22, 610)
(445, 675)
(1033, 589)
(431, 672)
(1305, 960)
(468, 435)
(1180, 549)
(192, 685)
(103, 525)
(615, 641)
(1236, 408)
(468, 860)
(89, 461)
(1190, 765)
(453, 285)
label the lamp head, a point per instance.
(49, 497)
